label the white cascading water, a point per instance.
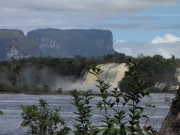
(177, 74)
(160, 85)
(175, 86)
(113, 73)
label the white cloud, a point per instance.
(164, 52)
(71, 14)
(168, 38)
(98, 6)
(147, 49)
(119, 41)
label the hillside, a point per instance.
(13, 43)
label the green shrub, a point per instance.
(4, 87)
(81, 101)
(155, 90)
(45, 89)
(33, 89)
(40, 120)
(114, 123)
(59, 91)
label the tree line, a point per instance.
(32, 72)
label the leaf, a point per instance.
(1, 112)
(117, 100)
(112, 104)
(144, 116)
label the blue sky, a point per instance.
(138, 26)
(153, 20)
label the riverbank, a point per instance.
(67, 93)
(51, 93)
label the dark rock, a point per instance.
(171, 124)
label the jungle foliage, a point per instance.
(35, 70)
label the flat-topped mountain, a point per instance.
(55, 43)
(67, 43)
(13, 43)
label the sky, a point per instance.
(148, 27)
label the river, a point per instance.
(11, 120)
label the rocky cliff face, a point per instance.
(67, 43)
(13, 43)
(171, 123)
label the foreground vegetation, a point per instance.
(40, 120)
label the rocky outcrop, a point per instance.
(171, 124)
(67, 43)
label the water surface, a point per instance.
(11, 120)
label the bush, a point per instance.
(40, 120)
(4, 87)
(33, 89)
(59, 91)
(155, 90)
(113, 124)
(45, 89)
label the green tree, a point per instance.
(15, 71)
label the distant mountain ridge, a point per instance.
(55, 43)
(13, 43)
(67, 43)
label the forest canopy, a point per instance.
(42, 71)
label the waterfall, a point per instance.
(160, 85)
(172, 87)
(177, 74)
(113, 73)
